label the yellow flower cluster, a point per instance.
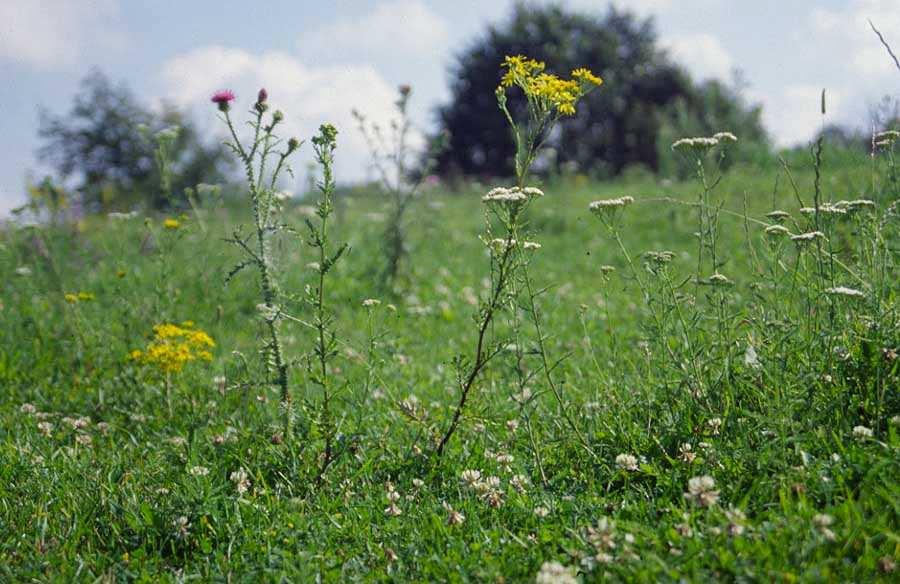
(75, 298)
(547, 91)
(174, 346)
(171, 224)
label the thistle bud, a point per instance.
(277, 117)
(262, 96)
(293, 144)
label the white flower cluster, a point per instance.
(608, 204)
(808, 237)
(555, 573)
(702, 491)
(513, 195)
(702, 144)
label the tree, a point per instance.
(105, 144)
(617, 126)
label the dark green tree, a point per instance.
(104, 145)
(616, 126)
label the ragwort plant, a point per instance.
(548, 99)
(256, 155)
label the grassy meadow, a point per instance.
(659, 427)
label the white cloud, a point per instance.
(56, 33)
(794, 115)
(702, 54)
(309, 96)
(402, 29)
(862, 53)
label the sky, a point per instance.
(320, 59)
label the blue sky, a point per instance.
(320, 59)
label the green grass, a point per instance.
(640, 375)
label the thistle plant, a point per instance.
(548, 99)
(326, 345)
(390, 157)
(264, 148)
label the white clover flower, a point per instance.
(541, 512)
(845, 291)
(627, 462)
(393, 511)
(241, 480)
(27, 409)
(862, 432)
(555, 573)
(470, 477)
(198, 471)
(701, 490)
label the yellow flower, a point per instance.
(85, 296)
(71, 298)
(175, 346)
(585, 76)
(172, 224)
(547, 94)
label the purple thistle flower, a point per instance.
(262, 96)
(223, 98)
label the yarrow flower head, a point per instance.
(605, 204)
(223, 99)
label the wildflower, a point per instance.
(777, 230)
(45, 428)
(223, 99)
(844, 291)
(862, 432)
(241, 481)
(778, 215)
(531, 245)
(718, 279)
(171, 224)
(714, 425)
(696, 145)
(455, 518)
(701, 490)
(627, 462)
(370, 302)
(519, 482)
(393, 511)
(175, 346)
(198, 471)
(513, 196)
(822, 522)
(182, 526)
(736, 520)
(605, 204)
(541, 512)
(686, 453)
(262, 96)
(418, 483)
(71, 298)
(470, 478)
(722, 137)
(84, 439)
(807, 237)
(555, 573)
(27, 409)
(512, 425)
(23, 271)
